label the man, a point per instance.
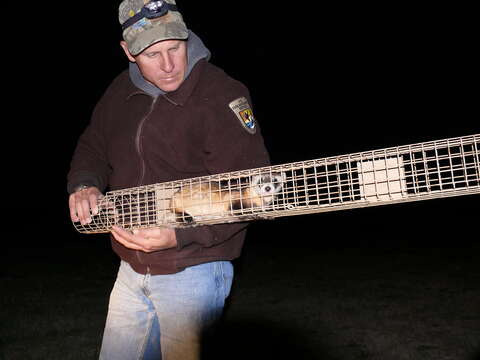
(171, 115)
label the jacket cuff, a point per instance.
(86, 179)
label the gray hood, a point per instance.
(196, 50)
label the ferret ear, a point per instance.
(256, 179)
(280, 177)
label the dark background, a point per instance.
(324, 80)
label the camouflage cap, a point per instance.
(146, 32)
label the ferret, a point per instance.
(208, 199)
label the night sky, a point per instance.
(324, 81)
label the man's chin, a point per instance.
(168, 85)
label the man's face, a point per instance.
(164, 64)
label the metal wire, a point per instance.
(434, 169)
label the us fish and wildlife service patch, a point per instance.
(244, 113)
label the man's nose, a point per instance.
(166, 63)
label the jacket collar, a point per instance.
(181, 95)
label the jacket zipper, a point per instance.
(142, 161)
(138, 142)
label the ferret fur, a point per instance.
(210, 199)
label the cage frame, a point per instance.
(407, 173)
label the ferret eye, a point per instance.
(268, 188)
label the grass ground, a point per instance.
(302, 302)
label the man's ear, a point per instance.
(124, 46)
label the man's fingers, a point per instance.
(93, 199)
(79, 209)
(136, 239)
(85, 211)
(126, 238)
(73, 208)
(83, 204)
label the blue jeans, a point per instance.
(164, 316)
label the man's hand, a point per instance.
(147, 240)
(84, 202)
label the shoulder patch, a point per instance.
(244, 113)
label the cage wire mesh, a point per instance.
(443, 168)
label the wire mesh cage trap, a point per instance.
(434, 169)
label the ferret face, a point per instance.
(268, 185)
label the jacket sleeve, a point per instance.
(229, 146)
(89, 165)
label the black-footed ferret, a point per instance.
(211, 199)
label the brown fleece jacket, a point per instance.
(134, 139)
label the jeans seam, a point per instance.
(147, 336)
(224, 282)
(221, 291)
